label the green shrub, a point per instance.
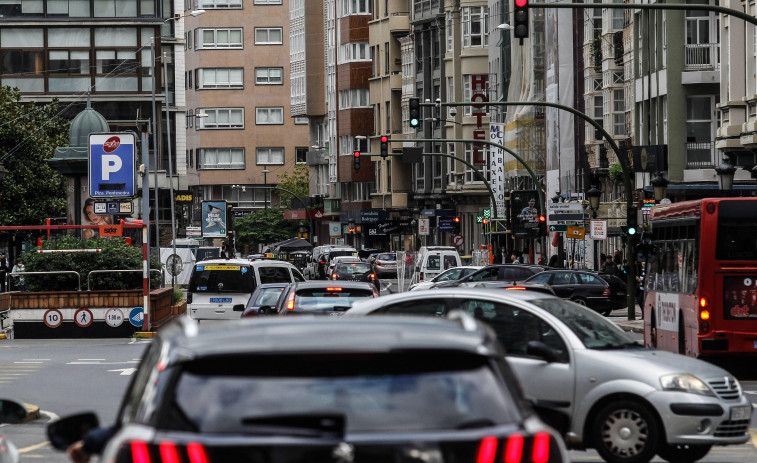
(177, 296)
(115, 254)
(616, 171)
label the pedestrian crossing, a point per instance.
(12, 371)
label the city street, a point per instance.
(66, 376)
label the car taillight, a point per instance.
(606, 292)
(704, 315)
(290, 301)
(333, 276)
(165, 452)
(516, 288)
(516, 449)
(420, 277)
(373, 276)
(333, 289)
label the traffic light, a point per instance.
(456, 224)
(356, 160)
(631, 226)
(415, 112)
(384, 146)
(542, 227)
(520, 15)
(485, 221)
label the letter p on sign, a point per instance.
(110, 164)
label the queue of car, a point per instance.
(501, 363)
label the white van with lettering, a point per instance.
(219, 289)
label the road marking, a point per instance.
(126, 371)
(102, 363)
(34, 447)
(30, 361)
(91, 360)
(753, 432)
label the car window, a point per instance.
(589, 279)
(325, 299)
(565, 278)
(514, 272)
(450, 261)
(540, 278)
(515, 327)
(223, 278)
(297, 275)
(487, 274)
(267, 296)
(140, 382)
(375, 392)
(466, 272)
(433, 262)
(387, 257)
(351, 269)
(437, 307)
(594, 331)
(451, 274)
(274, 275)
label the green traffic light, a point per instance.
(631, 231)
(414, 122)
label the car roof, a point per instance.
(252, 263)
(307, 333)
(332, 283)
(512, 297)
(271, 285)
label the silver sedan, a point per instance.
(591, 381)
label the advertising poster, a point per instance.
(525, 212)
(214, 219)
(739, 297)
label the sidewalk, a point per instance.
(620, 318)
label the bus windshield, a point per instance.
(736, 239)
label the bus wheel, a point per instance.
(681, 336)
(652, 329)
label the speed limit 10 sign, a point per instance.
(53, 318)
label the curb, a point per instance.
(2, 336)
(144, 334)
(32, 413)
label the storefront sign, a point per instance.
(497, 167)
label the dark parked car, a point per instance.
(355, 271)
(266, 295)
(323, 390)
(498, 272)
(385, 265)
(585, 287)
(322, 297)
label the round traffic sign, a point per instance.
(83, 317)
(458, 240)
(114, 317)
(53, 318)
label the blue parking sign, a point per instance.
(112, 161)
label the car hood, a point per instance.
(651, 363)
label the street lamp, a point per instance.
(725, 172)
(660, 187)
(594, 193)
(265, 184)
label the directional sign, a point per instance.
(575, 232)
(112, 160)
(576, 216)
(565, 207)
(558, 228)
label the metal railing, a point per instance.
(700, 155)
(89, 275)
(8, 276)
(702, 57)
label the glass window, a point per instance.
(115, 36)
(21, 38)
(268, 116)
(213, 78)
(475, 33)
(222, 4)
(222, 118)
(435, 307)
(269, 76)
(270, 156)
(218, 38)
(68, 37)
(589, 279)
(487, 274)
(221, 158)
(736, 239)
(274, 275)
(565, 278)
(268, 36)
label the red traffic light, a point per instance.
(456, 220)
(384, 139)
(521, 3)
(485, 221)
(357, 154)
(542, 218)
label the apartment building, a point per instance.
(242, 133)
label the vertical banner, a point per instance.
(497, 167)
(214, 219)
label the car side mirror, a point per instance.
(12, 411)
(238, 308)
(542, 351)
(65, 431)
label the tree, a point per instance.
(298, 182)
(264, 226)
(31, 190)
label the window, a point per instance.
(221, 118)
(267, 2)
(221, 158)
(356, 7)
(69, 61)
(269, 76)
(269, 116)
(268, 36)
(114, 8)
(220, 4)
(300, 155)
(449, 31)
(269, 156)
(213, 78)
(353, 98)
(357, 51)
(218, 38)
(474, 27)
(618, 116)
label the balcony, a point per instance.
(399, 23)
(700, 155)
(702, 57)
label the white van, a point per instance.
(433, 260)
(220, 288)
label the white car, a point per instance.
(454, 273)
(591, 381)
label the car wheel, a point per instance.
(580, 301)
(625, 432)
(683, 453)
(607, 312)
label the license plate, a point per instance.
(741, 413)
(336, 314)
(220, 300)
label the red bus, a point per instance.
(701, 283)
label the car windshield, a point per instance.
(594, 331)
(374, 392)
(267, 296)
(387, 257)
(352, 269)
(222, 278)
(451, 274)
(330, 298)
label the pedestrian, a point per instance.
(18, 268)
(609, 265)
(514, 259)
(502, 255)
(3, 270)
(640, 281)
(224, 251)
(553, 261)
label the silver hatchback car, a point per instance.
(591, 381)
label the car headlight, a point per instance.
(685, 382)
